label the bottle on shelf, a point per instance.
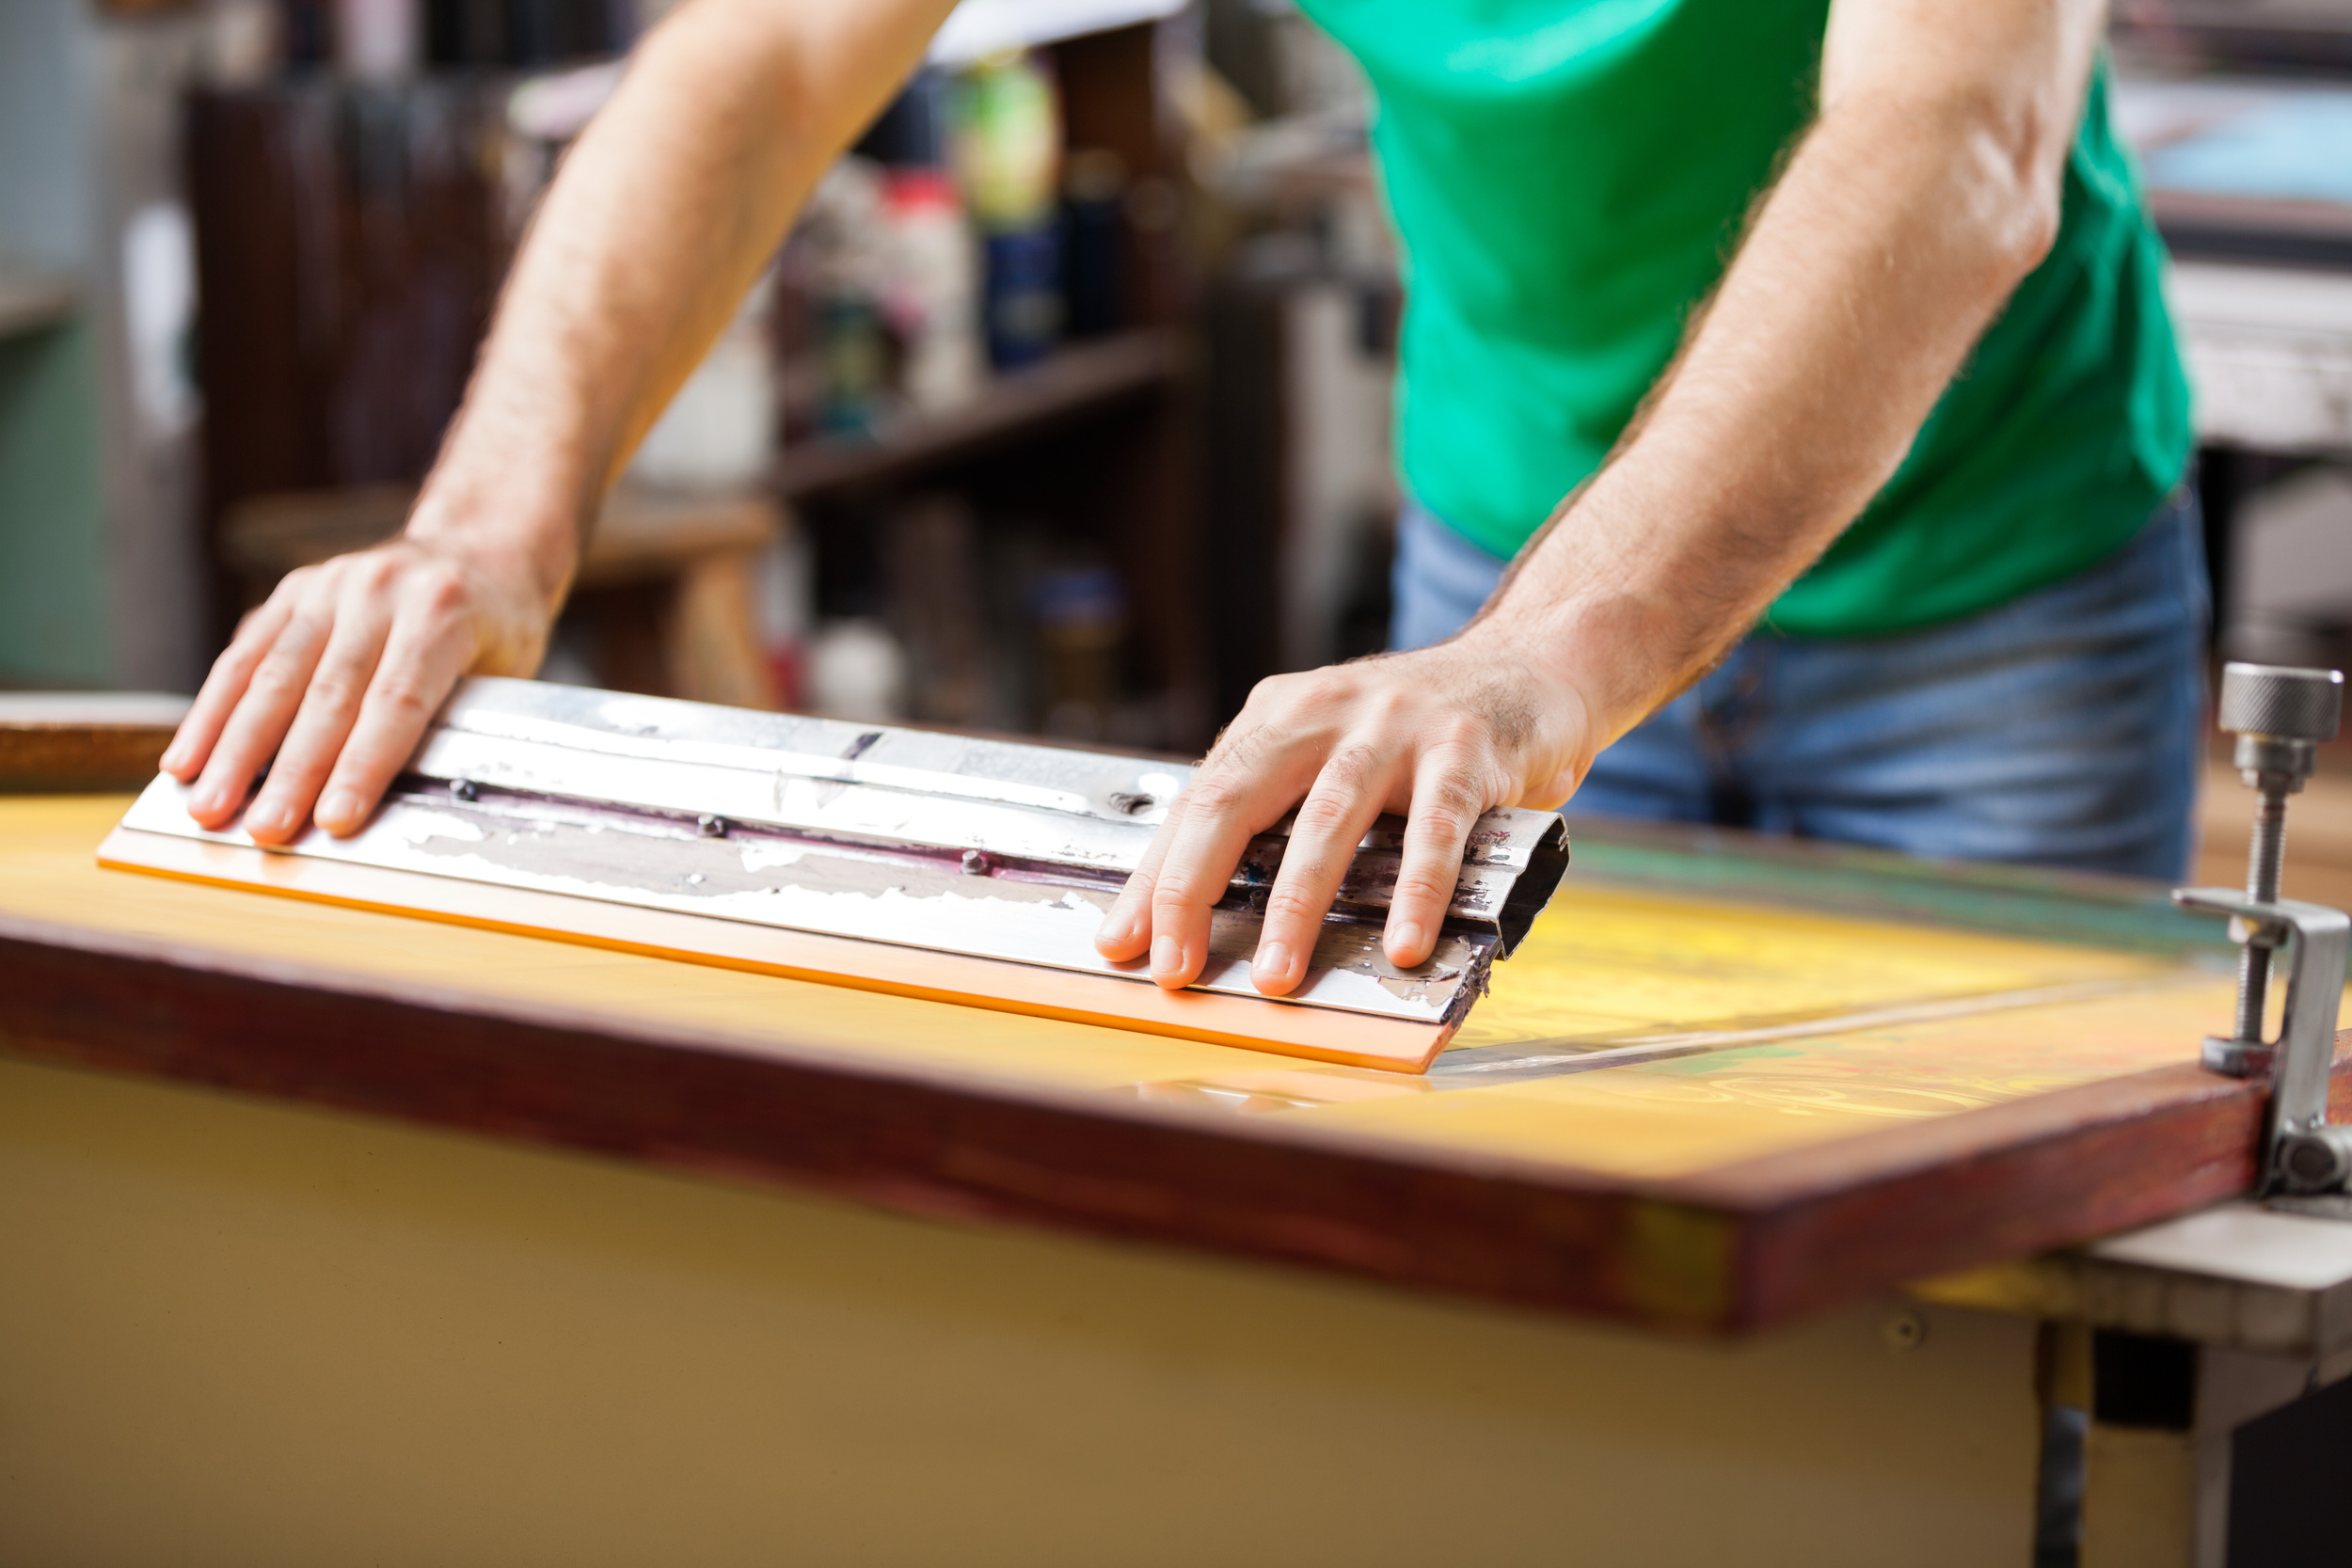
(1005, 120)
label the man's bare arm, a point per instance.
(1926, 189)
(663, 214)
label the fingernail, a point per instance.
(1167, 954)
(1272, 962)
(1406, 938)
(340, 808)
(173, 759)
(268, 817)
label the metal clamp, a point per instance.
(2280, 715)
(2304, 1155)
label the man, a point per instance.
(1998, 657)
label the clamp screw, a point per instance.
(2279, 716)
(2314, 1160)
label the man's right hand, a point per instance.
(338, 674)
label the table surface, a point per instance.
(1860, 1071)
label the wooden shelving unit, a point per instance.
(323, 380)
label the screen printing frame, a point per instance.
(1738, 1245)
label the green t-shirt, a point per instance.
(1569, 178)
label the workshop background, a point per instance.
(1063, 411)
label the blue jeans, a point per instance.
(2062, 729)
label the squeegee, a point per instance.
(917, 861)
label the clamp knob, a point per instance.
(2280, 702)
(2280, 715)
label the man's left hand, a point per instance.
(1438, 735)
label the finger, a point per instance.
(330, 705)
(1346, 800)
(264, 710)
(192, 743)
(1234, 798)
(432, 643)
(1126, 931)
(1445, 807)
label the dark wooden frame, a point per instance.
(1744, 1247)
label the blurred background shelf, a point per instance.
(1015, 545)
(2270, 349)
(2241, 115)
(29, 301)
(1077, 380)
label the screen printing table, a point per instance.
(334, 1236)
